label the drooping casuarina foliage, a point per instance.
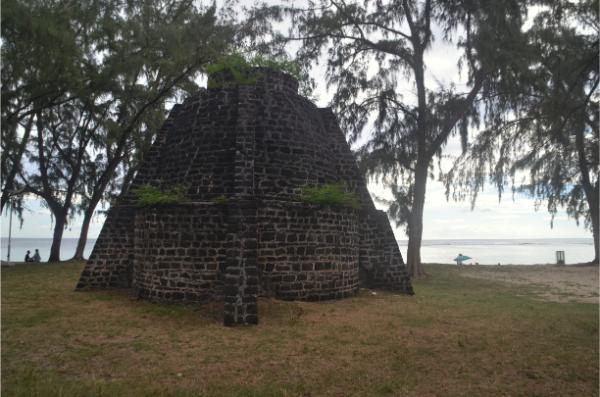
(547, 144)
(85, 87)
(372, 47)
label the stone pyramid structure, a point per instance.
(244, 153)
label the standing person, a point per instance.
(36, 256)
(28, 257)
(459, 260)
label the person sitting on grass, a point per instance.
(28, 257)
(36, 256)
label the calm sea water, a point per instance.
(484, 252)
(506, 251)
(19, 247)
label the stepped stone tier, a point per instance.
(244, 153)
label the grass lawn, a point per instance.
(456, 337)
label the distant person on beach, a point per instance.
(28, 257)
(459, 260)
(36, 256)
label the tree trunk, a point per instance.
(591, 192)
(83, 234)
(59, 228)
(593, 202)
(596, 233)
(415, 232)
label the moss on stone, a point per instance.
(148, 196)
(331, 193)
(220, 200)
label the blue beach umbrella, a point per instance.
(461, 258)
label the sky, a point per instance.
(512, 217)
(443, 219)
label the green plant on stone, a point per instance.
(331, 193)
(235, 69)
(220, 200)
(148, 195)
(232, 66)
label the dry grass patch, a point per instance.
(455, 337)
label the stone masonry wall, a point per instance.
(292, 147)
(181, 252)
(256, 146)
(199, 151)
(307, 252)
(381, 263)
(110, 264)
(111, 261)
(241, 273)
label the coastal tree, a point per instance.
(371, 47)
(185, 39)
(48, 63)
(106, 92)
(546, 145)
(30, 81)
(59, 150)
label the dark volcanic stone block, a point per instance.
(243, 154)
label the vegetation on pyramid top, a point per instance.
(235, 69)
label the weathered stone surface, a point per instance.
(243, 155)
(180, 252)
(308, 252)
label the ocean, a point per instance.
(483, 251)
(506, 251)
(19, 247)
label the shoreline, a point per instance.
(487, 252)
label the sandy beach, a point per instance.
(575, 283)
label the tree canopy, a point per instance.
(372, 46)
(85, 87)
(546, 144)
